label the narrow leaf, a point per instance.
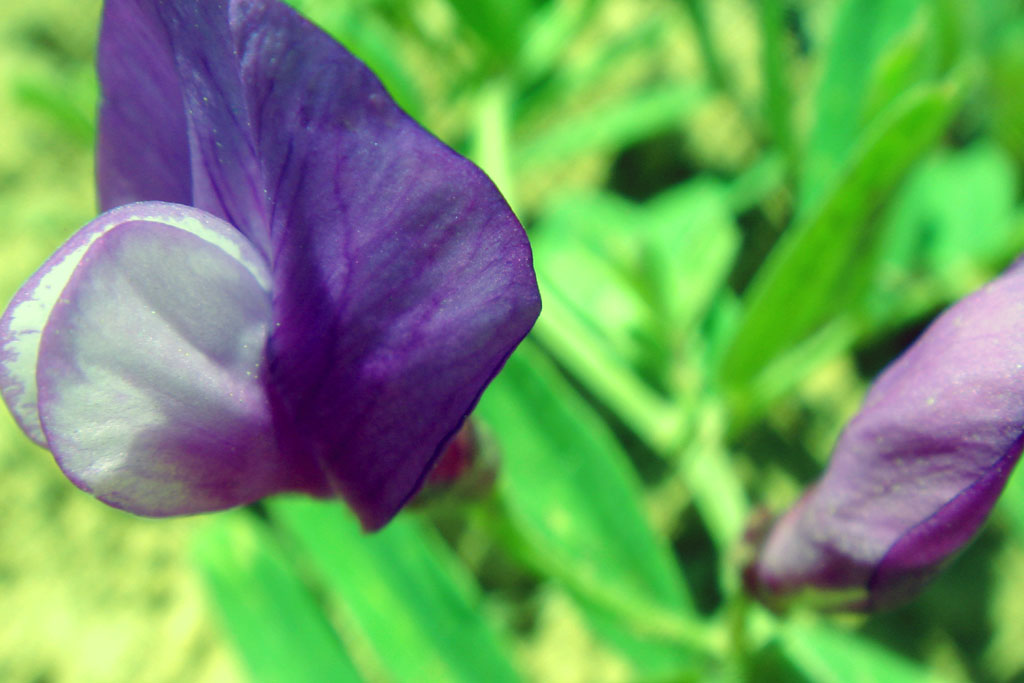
(405, 599)
(953, 219)
(864, 28)
(612, 127)
(820, 265)
(281, 633)
(571, 493)
(500, 23)
(826, 654)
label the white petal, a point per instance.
(149, 373)
(22, 324)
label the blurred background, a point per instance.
(741, 211)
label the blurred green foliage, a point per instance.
(740, 212)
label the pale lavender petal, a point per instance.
(22, 323)
(402, 279)
(142, 146)
(917, 471)
(150, 368)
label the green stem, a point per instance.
(709, 51)
(739, 639)
(492, 134)
(654, 419)
(718, 74)
(777, 96)
(641, 616)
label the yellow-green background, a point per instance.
(691, 392)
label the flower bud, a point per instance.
(915, 474)
(467, 468)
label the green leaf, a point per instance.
(825, 654)
(903, 64)
(777, 98)
(955, 216)
(626, 286)
(405, 600)
(625, 267)
(778, 377)
(279, 630)
(863, 30)
(650, 659)
(576, 501)
(500, 23)
(590, 357)
(820, 267)
(66, 98)
(1010, 506)
(713, 63)
(611, 127)
(958, 209)
(757, 182)
(491, 137)
(554, 85)
(689, 241)
(549, 33)
(713, 481)
(1006, 66)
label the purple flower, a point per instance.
(917, 471)
(294, 287)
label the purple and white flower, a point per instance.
(294, 286)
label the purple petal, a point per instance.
(917, 471)
(402, 279)
(150, 368)
(142, 147)
(171, 73)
